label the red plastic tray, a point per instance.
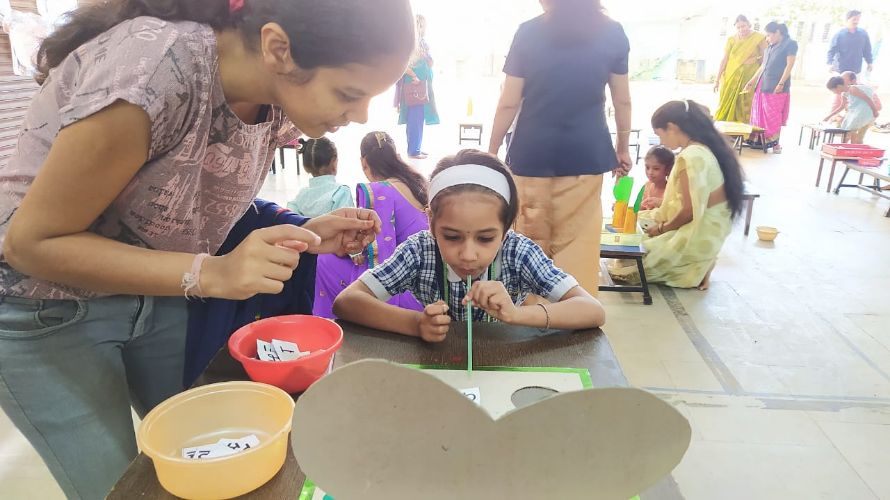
(853, 150)
(871, 162)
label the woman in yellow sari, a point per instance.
(742, 58)
(703, 196)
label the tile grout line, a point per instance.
(720, 370)
(874, 366)
(846, 460)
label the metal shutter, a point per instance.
(15, 91)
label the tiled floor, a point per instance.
(783, 367)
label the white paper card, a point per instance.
(222, 448)
(266, 352)
(239, 445)
(473, 395)
(287, 351)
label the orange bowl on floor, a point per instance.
(767, 233)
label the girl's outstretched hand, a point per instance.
(344, 231)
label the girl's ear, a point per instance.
(275, 47)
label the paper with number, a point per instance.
(222, 448)
(473, 395)
(278, 350)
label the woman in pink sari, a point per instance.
(399, 195)
(772, 98)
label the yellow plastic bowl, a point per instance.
(767, 233)
(204, 416)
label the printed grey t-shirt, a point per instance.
(205, 165)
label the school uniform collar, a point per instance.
(322, 180)
(453, 277)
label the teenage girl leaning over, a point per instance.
(151, 135)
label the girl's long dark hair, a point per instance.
(379, 150)
(574, 21)
(692, 119)
(329, 33)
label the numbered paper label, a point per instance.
(473, 395)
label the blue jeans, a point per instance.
(415, 122)
(70, 370)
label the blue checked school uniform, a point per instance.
(418, 267)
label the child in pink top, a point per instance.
(659, 162)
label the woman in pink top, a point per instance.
(151, 135)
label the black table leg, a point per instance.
(840, 184)
(647, 298)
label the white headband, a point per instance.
(476, 175)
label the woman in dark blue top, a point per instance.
(772, 85)
(557, 71)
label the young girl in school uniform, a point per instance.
(473, 203)
(323, 194)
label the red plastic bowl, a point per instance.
(322, 337)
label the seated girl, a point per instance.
(323, 194)
(702, 197)
(473, 203)
(659, 162)
(399, 195)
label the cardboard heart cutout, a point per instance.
(376, 430)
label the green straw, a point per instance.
(469, 328)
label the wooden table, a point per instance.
(739, 131)
(834, 160)
(818, 130)
(495, 345)
(876, 173)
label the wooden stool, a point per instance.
(471, 132)
(634, 253)
(281, 157)
(829, 134)
(759, 134)
(814, 129)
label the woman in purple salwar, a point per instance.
(399, 195)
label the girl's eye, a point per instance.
(452, 238)
(486, 240)
(346, 97)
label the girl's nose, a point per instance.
(359, 114)
(468, 253)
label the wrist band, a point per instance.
(547, 314)
(191, 281)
